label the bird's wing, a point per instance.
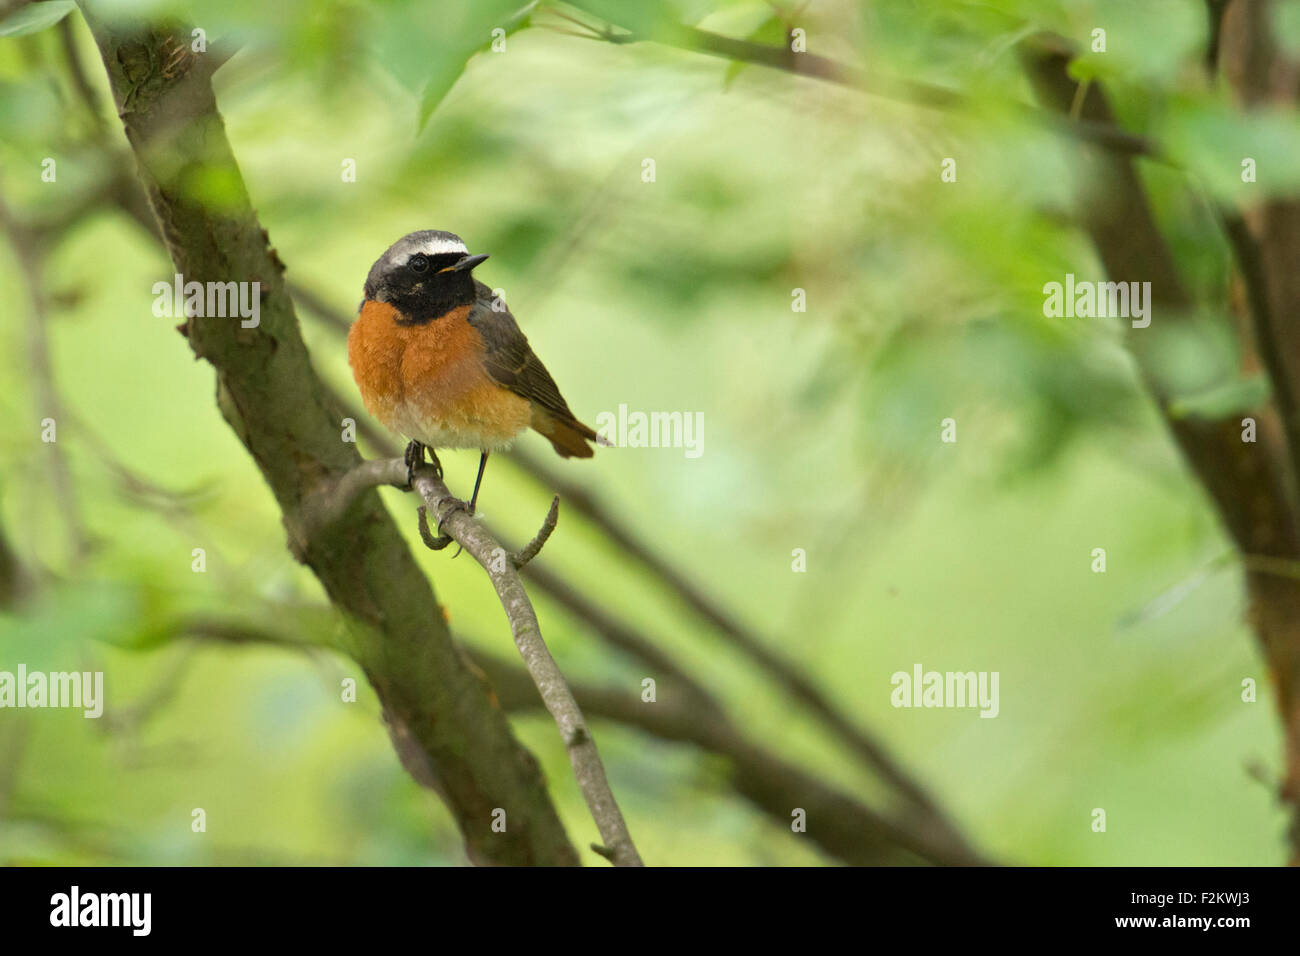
(509, 359)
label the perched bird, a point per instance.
(441, 361)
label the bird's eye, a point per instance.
(418, 264)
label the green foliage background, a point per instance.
(821, 431)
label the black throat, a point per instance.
(434, 298)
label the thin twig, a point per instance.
(31, 254)
(530, 550)
(559, 700)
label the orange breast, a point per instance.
(427, 382)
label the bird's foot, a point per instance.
(442, 539)
(453, 504)
(414, 458)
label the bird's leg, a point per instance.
(414, 459)
(482, 463)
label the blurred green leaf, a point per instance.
(645, 17)
(1286, 22)
(1213, 138)
(89, 610)
(444, 78)
(29, 112)
(35, 17)
(1227, 399)
(1092, 67)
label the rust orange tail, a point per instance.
(568, 436)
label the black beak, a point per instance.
(468, 263)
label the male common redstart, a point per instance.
(438, 363)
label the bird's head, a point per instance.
(424, 275)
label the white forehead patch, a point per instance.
(440, 245)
